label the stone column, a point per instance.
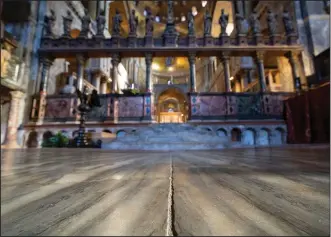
(92, 9)
(96, 81)
(191, 60)
(46, 63)
(135, 72)
(226, 68)
(115, 61)
(206, 74)
(259, 57)
(103, 87)
(11, 133)
(294, 62)
(148, 60)
(248, 73)
(81, 63)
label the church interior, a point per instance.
(100, 95)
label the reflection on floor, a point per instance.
(278, 191)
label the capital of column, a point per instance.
(259, 56)
(81, 59)
(148, 59)
(192, 57)
(225, 57)
(16, 94)
(115, 59)
(293, 56)
(46, 61)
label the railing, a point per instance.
(203, 106)
(63, 108)
(247, 106)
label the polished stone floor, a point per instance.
(278, 191)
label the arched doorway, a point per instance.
(171, 106)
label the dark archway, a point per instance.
(32, 141)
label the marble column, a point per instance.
(92, 9)
(115, 62)
(225, 59)
(96, 81)
(259, 58)
(148, 60)
(294, 62)
(11, 132)
(103, 87)
(191, 60)
(81, 63)
(248, 73)
(46, 64)
(135, 72)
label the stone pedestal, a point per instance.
(224, 39)
(115, 40)
(11, 135)
(149, 41)
(292, 39)
(170, 40)
(274, 39)
(132, 41)
(241, 39)
(191, 41)
(208, 40)
(258, 39)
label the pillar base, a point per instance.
(11, 145)
(241, 39)
(132, 41)
(208, 40)
(115, 41)
(258, 39)
(274, 39)
(191, 41)
(224, 39)
(292, 39)
(149, 41)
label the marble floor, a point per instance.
(265, 191)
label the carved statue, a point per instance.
(272, 22)
(190, 22)
(49, 22)
(67, 21)
(223, 21)
(255, 23)
(239, 23)
(133, 22)
(207, 23)
(101, 21)
(149, 22)
(288, 23)
(83, 96)
(117, 21)
(85, 24)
